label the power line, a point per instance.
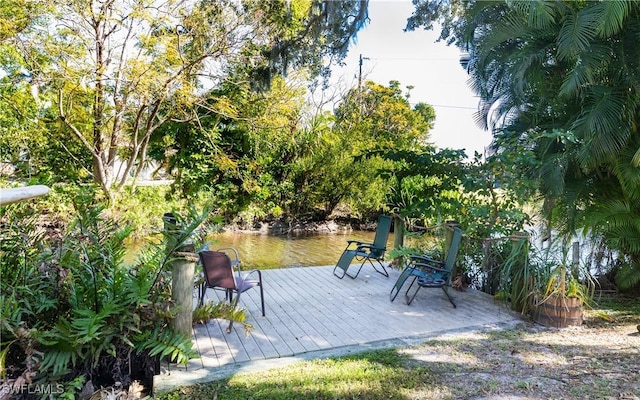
(410, 59)
(448, 106)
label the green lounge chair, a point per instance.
(363, 252)
(428, 272)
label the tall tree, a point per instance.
(563, 77)
(371, 120)
(123, 68)
(18, 15)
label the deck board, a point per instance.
(308, 310)
(317, 313)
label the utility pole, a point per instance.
(360, 70)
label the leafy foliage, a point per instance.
(202, 314)
(378, 129)
(106, 77)
(272, 156)
(305, 35)
(563, 77)
(71, 307)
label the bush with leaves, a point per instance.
(71, 308)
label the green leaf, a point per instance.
(576, 33)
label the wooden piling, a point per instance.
(182, 291)
(450, 225)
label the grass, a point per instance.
(384, 374)
(599, 360)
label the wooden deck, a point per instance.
(308, 311)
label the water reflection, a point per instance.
(268, 251)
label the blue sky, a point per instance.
(414, 58)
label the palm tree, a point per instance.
(565, 76)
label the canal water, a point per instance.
(275, 251)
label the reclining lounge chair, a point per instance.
(365, 252)
(428, 272)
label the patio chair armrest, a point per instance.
(370, 247)
(426, 259)
(357, 242)
(251, 272)
(432, 268)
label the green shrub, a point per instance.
(69, 306)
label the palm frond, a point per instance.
(614, 214)
(612, 16)
(540, 14)
(509, 28)
(552, 173)
(601, 125)
(628, 276)
(576, 33)
(584, 70)
(628, 175)
(635, 160)
(162, 343)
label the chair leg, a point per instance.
(406, 295)
(399, 283)
(202, 290)
(261, 291)
(384, 270)
(262, 299)
(356, 275)
(344, 272)
(365, 259)
(446, 291)
(235, 306)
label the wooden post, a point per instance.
(398, 237)
(448, 237)
(519, 270)
(575, 259)
(183, 271)
(398, 232)
(487, 267)
(182, 291)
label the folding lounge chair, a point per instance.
(428, 272)
(219, 274)
(363, 252)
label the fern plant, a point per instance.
(26, 304)
(74, 309)
(204, 313)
